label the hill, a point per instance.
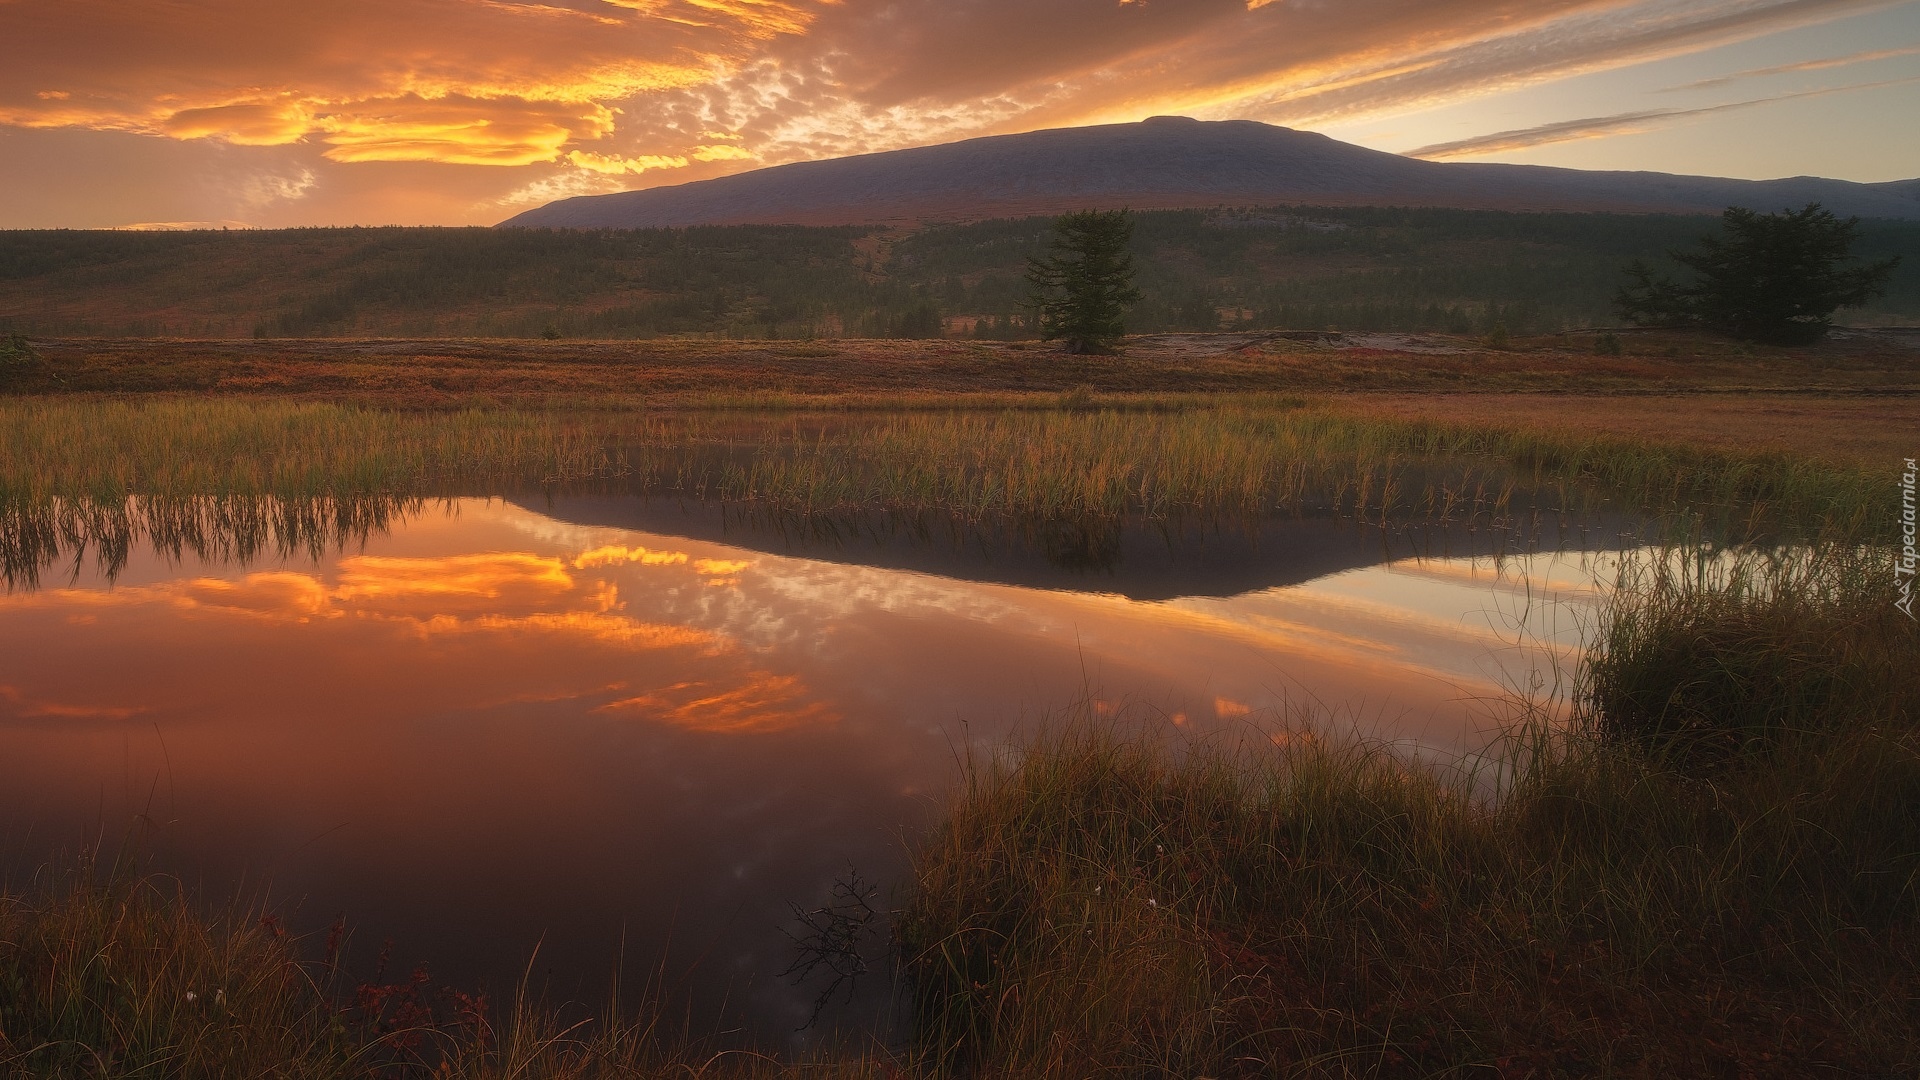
(1172, 162)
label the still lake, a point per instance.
(571, 736)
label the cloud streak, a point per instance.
(1618, 124)
(1805, 65)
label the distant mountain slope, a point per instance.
(1169, 162)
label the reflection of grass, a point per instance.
(38, 533)
(1174, 456)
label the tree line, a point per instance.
(1281, 268)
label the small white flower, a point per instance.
(190, 995)
(1151, 902)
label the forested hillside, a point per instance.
(1289, 268)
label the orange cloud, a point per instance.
(591, 93)
(614, 165)
(490, 83)
(459, 129)
(721, 152)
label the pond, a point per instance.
(564, 738)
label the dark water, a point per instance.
(629, 734)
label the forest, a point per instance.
(1296, 268)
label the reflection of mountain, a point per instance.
(1141, 560)
(1168, 162)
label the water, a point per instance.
(577, 737)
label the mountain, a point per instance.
(1169, 162)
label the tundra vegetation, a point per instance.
(1703, 857)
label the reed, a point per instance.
(1709, 655)
(1218, 456)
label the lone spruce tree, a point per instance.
(1082, 289)
(1775, 278)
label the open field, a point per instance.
(439, 373)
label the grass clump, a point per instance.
(1709, 656)
(1100, 905)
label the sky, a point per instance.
(275, 113)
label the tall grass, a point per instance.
(1098, 905)
(1221, 456)
(1710, 865)
(107, 973)
(1709, 655)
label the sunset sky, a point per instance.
(277, 113)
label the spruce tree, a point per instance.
(1774, 278)
(1082, 289)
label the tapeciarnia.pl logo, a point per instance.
(1903, 570)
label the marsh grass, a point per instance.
(106, 972)
(1708, 656)
(1097, 904)
(1118, 456)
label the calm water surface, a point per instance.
(614, 728)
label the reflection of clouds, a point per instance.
(617, 555)
(1443, 622)
(23, 706)
(627, 616)
(762, 702)
(720, 567)
(486, 575)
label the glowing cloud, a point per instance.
(1805, 65)
(591, 94)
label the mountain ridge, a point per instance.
(1172, 163)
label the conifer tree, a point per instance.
(1082, 289)
(1775, 278)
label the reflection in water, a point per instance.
(485, 728)
(35, 534)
